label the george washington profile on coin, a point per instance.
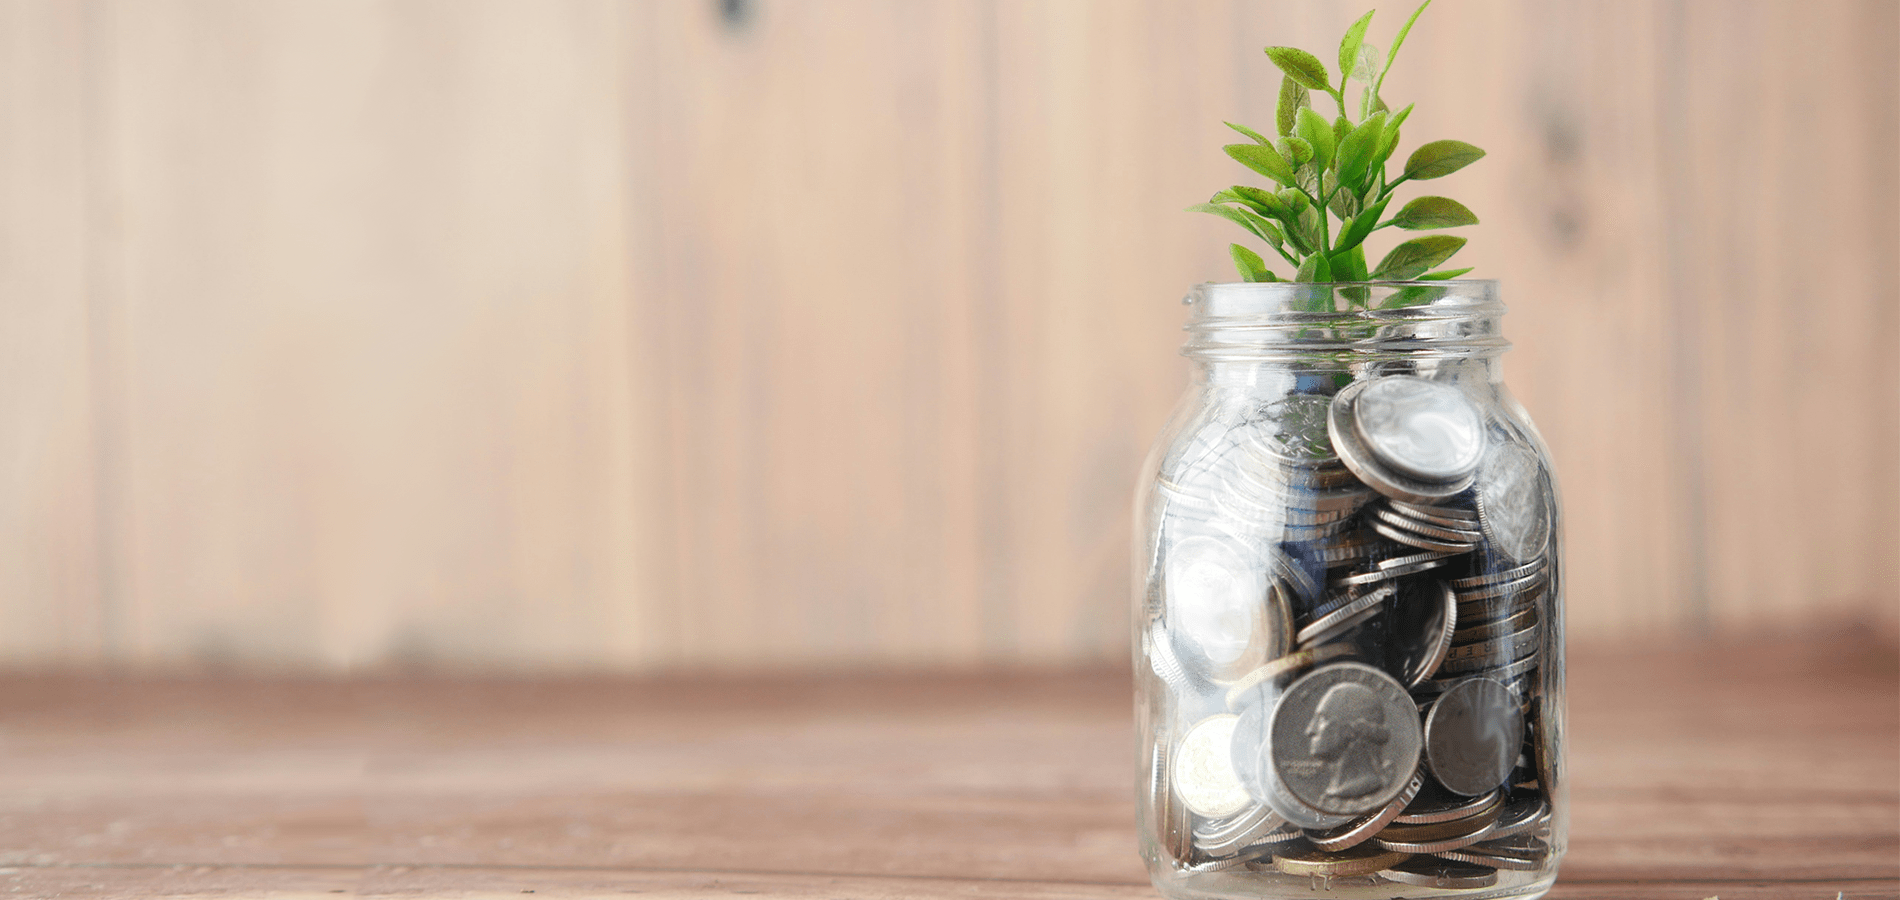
(1344, 739)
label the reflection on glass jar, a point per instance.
(1349, 629)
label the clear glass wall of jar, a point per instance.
(1349, 605)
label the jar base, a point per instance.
(1235, 885)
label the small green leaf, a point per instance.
(1251, 266)
(1433, 212)
(1362, 225)
(1356, 152)
(1394, 52)
(1245, 218)
(1342, 126)
(1390, 141)
(1264, 202)
(1316, 133)
(1440, 158)
(1302, 67)
(1417, 256)
(1443, 274)
(1415, 295)
(1255, 135)
(1293, 98)
(1347, 266)
(1314, 269)
(1367, 69)
(1349, 47)
(1296, 150)
(1262, 158)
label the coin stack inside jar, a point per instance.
(1347, 605)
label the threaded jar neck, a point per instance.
(1285, 321)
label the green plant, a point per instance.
(1327, 171)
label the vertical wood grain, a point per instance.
(583, 334)
(50, 602)
(374, 280)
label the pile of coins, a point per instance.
(1347, 606)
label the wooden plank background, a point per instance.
(579, 334)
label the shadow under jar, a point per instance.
(1349, 605)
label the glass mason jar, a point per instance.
(1349, 605)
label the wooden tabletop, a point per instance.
(1732, 770)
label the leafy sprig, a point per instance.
(1328, 189)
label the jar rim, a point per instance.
(1260, 320)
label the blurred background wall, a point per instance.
(566, 334)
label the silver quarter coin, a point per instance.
(1291, 664)
(1472, 658)
(1413, 539)
(1424, 429)
(1364, 859)
(1440, 807)
(1354, 605)
(1473, 735)
(1437, 845)
(1513, 507)
(1454, 516)
(1511, 574)
(1513, 855)
(1424, 618)
(1503, 673)
(1232, 835)
(1343, 426)
(1485, 631)
(1292, 429)
(1441, 873)
(1171, 818)
(1204, 778)
(1501, 588)
(1428, 529)
(1406, 562)
(1345, 626)
(1343, 741)
(1356, 833)
(1161, 659)
(1223, 611)
(1523, 814)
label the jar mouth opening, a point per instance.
(1266, 320)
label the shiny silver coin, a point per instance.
(1473, 735)
(1203, 770)
(1344, 627)
(1317, 532)
(1358, 832)
(1356, 605)
(1171, 818)
(1441, 807)
(1424, 618)
(1484, 631)
(1482, 611)
(1343, 425)
(1161, 658)
(1428, 529)
(1369, 575)
(1470, 659)
(1421, 428)
(1232, 835)
(1513, 507)
(1522, 815)
(1441, 873)
(1433, 558)
(1503, 855)
(1342, 742)
(1270, 674)
(1506, 648)
(1493, 577)
(1314, 862)
(1438, 845)
(1292, 429)
(1503, 673)
(1413, 539)
(1456, 517)
(1345, 548)
(1225, 614)
(1502, 588)
(1339, 598)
